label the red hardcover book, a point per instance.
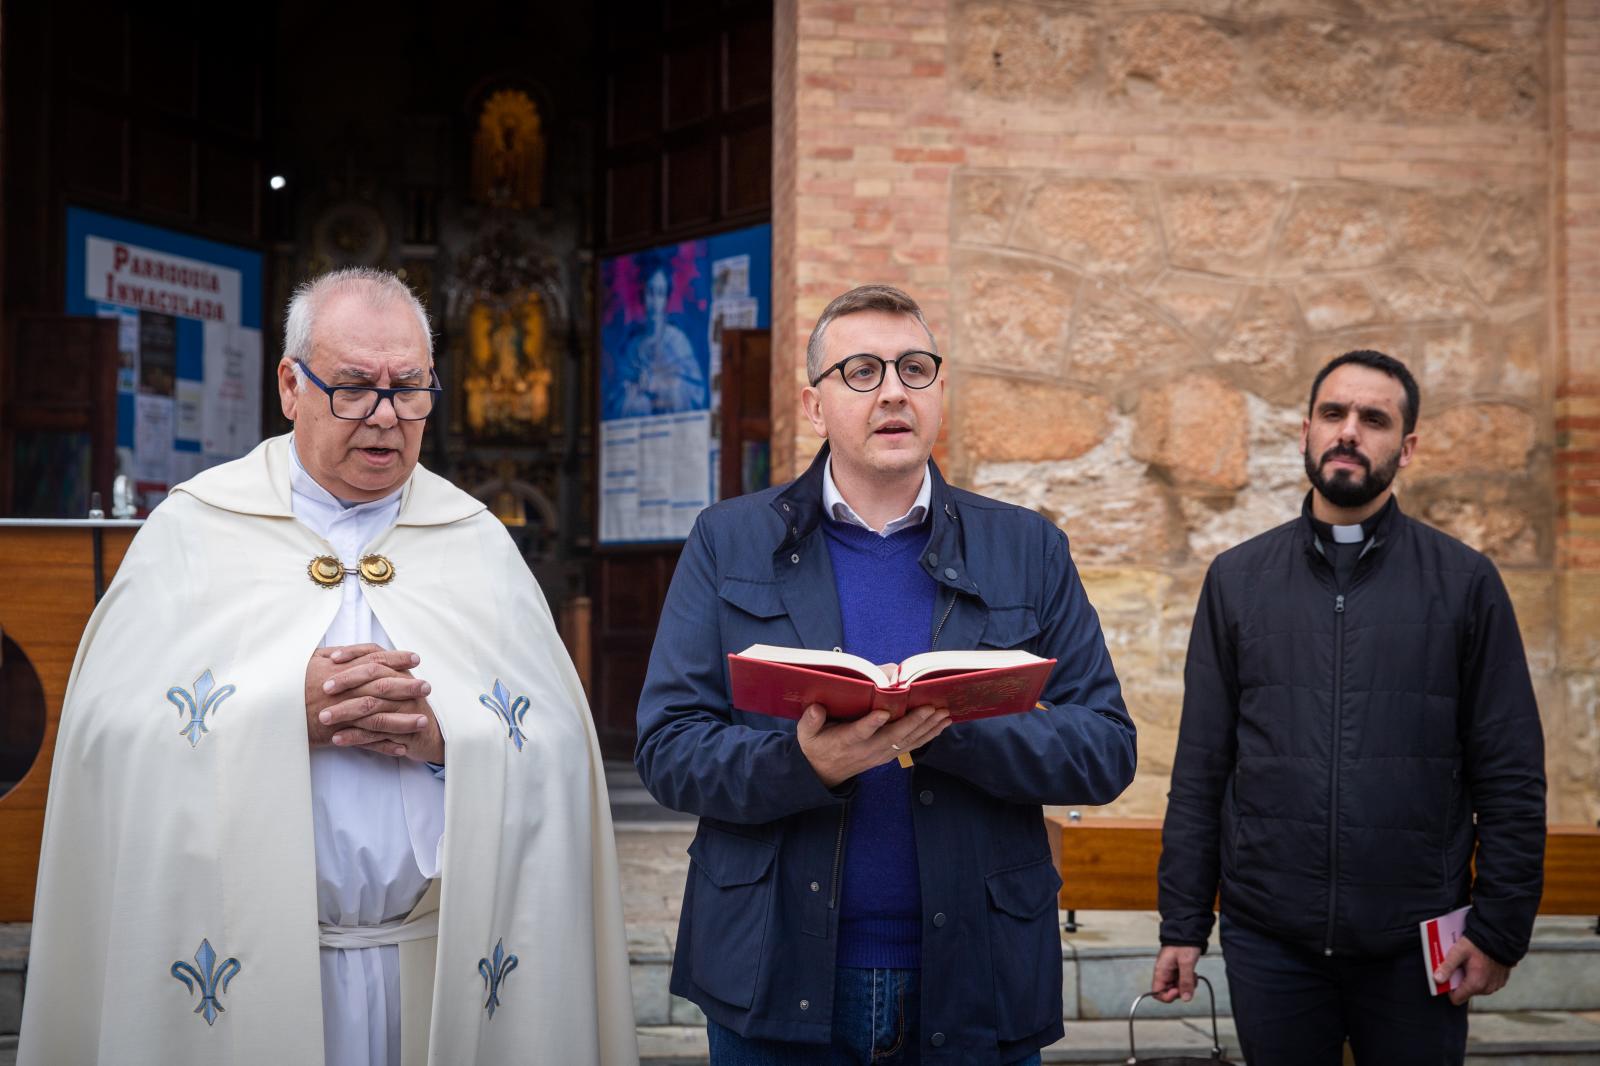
(783, 682)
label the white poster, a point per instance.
(230, 408)
(129, 275)
(152, 439)
(730, 277)
(653, 476)
(190, 399)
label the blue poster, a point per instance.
(654, 303)
(661, 320)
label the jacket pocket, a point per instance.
(1010, 627)
(758, 598)
(730, 913)
(1025, 948)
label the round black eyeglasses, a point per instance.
(864, 372)
(357, 403)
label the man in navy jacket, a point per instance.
(840, 906)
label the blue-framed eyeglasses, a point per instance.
(864, 372)
(357, 403)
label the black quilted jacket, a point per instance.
(1342, 751)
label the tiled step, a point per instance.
(13, 963)
(1523, 1038)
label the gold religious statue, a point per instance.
(508, 152)
(509, 374)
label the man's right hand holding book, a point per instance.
(837, 751)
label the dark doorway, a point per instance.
(490, 152)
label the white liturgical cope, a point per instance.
(377, 821)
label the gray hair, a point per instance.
(861, 298)
(380, 289)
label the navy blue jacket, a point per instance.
(758, 932)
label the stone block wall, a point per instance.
(1140, 227)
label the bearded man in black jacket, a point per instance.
(1357, 720)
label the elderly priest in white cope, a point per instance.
(326, 788)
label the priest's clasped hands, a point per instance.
(364, 696)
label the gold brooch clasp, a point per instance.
(376, 570)
(325, 571)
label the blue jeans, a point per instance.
(1294, 1007)
(875, 1023)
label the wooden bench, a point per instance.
(1109, 864)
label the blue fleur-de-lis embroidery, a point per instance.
(495, 971)
(510, 711)
(202, 703)
(211, 979)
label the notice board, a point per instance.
(188, 312)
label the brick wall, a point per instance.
(1138, 230)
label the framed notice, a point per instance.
(662, 314)
(188, 313)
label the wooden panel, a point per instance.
(94, 151)
(164, 68)
(697, 98)
(616, 694)
(230, 192)
(632, 587)
(1110, 864)
(96, 53)
(747, 181)
(633, 101)
(230, 91)
(686, 13)
(691, 84)
(1106, 864)
(59, 378)
(632, 24)
(629, 593)
(164, 172)
(631, 199)
(746, 410)
(691, 185)
(60, 362)
(747, 64)
(48, 577)
(1571, 870)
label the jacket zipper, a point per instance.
(838, 857)
(1333, 772)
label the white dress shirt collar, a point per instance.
(833, 504)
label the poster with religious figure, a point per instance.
(660, 319)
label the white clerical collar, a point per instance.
(1348, 534)
(833, 503)
(303, 484)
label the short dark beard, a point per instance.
(1340, 489)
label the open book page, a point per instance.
(836, 662)
(933, 663)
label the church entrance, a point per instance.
(579, 193)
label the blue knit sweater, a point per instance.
(886, 602)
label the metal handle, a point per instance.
(1216, 1044)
